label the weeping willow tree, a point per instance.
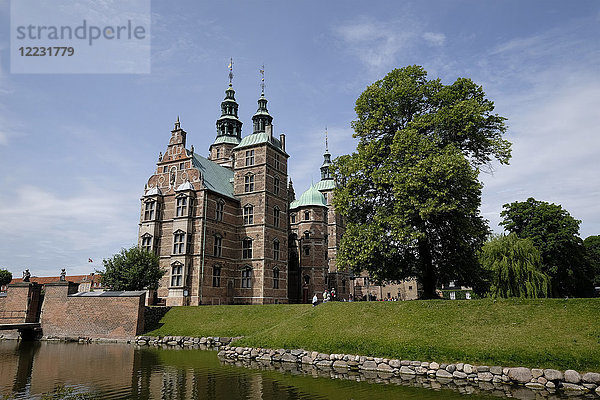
(514, 266)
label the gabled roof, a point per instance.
(312, 197)
(216, 178)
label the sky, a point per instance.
(77, 149)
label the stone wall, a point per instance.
(539, 381)
(20, 304)
(113, 315)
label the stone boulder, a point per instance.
(520, 374)
(553, 375)
(591, 377)
(572, 376)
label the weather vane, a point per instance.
(262, 82)
(230, 70)
(326, 144)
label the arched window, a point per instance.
(276, 252)
(217, 245)
(177, 274)
(306, 235)
(181, 206)
(293, 218)
(306, 215)
(219, 210)
(275, 278)
(149, 208)
(247, 248)
(248, 214)
(216, 280)
(276, 217)
(249, 183)
(247, 278)
(276, 186)
(147, 242)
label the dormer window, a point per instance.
(149, 209)
(181, 206)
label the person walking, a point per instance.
(315, 300)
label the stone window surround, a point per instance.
(176, 274)
(247, 277)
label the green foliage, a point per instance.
(133, 269)
(5, 277)
(410, 193)
(514, 267)
(592, 254)
(546, 333)
(556, 234)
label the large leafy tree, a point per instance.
(5, 277)
(410, 193)
(592, 253)
(514, 268)
(131, 269)
(556, 234)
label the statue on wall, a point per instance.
(63, 275)
(26, 275)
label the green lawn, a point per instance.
(550, 333)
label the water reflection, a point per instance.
(112, 371)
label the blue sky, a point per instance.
(77, 149)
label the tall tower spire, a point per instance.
(229, 126)
(261, 119)
(325, 174)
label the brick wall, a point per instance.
(20, 303)
(115, 315)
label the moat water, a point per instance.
(32, 370)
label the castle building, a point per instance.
(228, 229)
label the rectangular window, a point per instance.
(179, 243)
(216, 281)
(149, 210)
(276, 215)
(181, 207)
(165, 168)
(277, 163)
(249, 183)
(217, 246)
(177, 275)
(276, 186)
(219, 211)
(307, 251)
(181, 165)
(218, 153)
(249, 157)
(247, 248)
(248, 215)
(276, 252)
(306, 215)
(275, 278)
(247, 278)
(293, 218)
(147, 243)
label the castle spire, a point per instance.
(228, 124)
(325, 173)
(261, 119)
(230, 71)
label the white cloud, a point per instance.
(437, 39)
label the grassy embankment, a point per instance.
(550, 333)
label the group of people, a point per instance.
(327, 296)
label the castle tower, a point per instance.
(229, 128)
(260, 177)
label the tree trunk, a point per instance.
(428, 276)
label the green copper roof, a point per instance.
(227, 139)
(325, 184)
(216, 178)
(312, 197)
(259, 138)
